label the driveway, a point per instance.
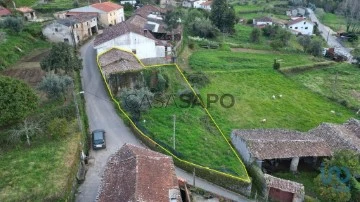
(329, 35)
(102, 114)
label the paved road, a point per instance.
(328, 34)
(102, 114)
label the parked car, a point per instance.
(98, 139)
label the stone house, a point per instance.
(271, 147)
(284, 190)
(28, 13)
(339, 137)
(138, 174)
(73, 29)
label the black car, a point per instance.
(98, 139)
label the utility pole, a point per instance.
(194, 178)
(174, 130)
(77, 110)
(327, 39)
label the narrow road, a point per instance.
(328, 34)
(102, 114)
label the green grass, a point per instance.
(9, 53)
(322, 81)
(249, 8)
(39, 172)
(197, 139)
(226, 60)
(305, 178)
(335, 22)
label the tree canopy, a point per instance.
(17, 100)
(223, 16)
(62, 56)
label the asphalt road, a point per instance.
(329, 35)
(102, 115)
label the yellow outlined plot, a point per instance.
(245, 179)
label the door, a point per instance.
(279, 195)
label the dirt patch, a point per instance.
(32, 76)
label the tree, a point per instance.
(350, 10)
(13, 23)
(61, 56)
(172, 20)
(17, 100)
(255, 35)
(331, 189)
(315, 48)
(305, 42)
(345, 158)
(202, 27)
(55, 86)
(223, 16)
(27, 129)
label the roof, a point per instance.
(87, 9)
(25, 9)
(264, 19)
(4, 11)
(119, 29)
(72, 13)
(284, 185)
(148, 9)
(345, 136)
(115, 60)
(67, 21)
(107, 6)
(139, 174)
(278, 143)
(292, 22)
(206, 3)
(73, 19)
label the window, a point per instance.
(133, 51)
(66, 40)
(290, 27)
(306, 27)
(56, 30)
(296, 27)
(304, 23)
(87, 23)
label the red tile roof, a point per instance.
(296, 21)
(4, 11)
(107, 6)
(25, 9)
(206, 3)
(139, 174)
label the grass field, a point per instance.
(340, 82)
(305, 178)
(335, 22)
(197, 139)
(226, 60)
(37, 173)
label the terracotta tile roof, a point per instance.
(297, 21)
(72, 13)
(120, 29)
(4, 11)
(284, 185)
(137, 20)
(115, 61)
(83, 17)
(25, 9)
(148, 9)
(107, 6)
(206, 3)
(277, 143)
(345, 136)
(138, 174)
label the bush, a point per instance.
(255, 35)
(14, 24)
(276, 65)
(198, 79)
(315, 48)
(55, 86)
(204, 28)
(334, 190)
(58, 128)
(276, 44)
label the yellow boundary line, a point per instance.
(247, 179)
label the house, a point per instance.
(206, 5)
(109, 13)
(73, 29)
(284, 190)
(188, 3)
(4, 12)
(197, 4)
(301, 26)
(296, 12)
(150, 11)
(262, 22)
(131, 2)
(271, 147)
(138, 174)
(28, 13)
(338, 137)
(133, 38)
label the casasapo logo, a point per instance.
(342, 175)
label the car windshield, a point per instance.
(98, 137)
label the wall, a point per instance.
(115, 17)
(241, 147)
(59, 35)
(82, 29)
(145, 47)
(187, 4)
(301, 27)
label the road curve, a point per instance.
(102, 114)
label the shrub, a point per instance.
(203, 27)
(14, 24)
(315, 48)
(276, 44)
(255, 35)
(58, 128)
(55, 86)
(198, 79)
(333, 191)
(276, 65)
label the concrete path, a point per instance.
(102, 114)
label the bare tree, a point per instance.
(27, 129)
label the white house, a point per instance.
(132, 2)
(197, 4)
(188, 3)
(206, 5)
(301, 26)
(260, 22)
(132, 38)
